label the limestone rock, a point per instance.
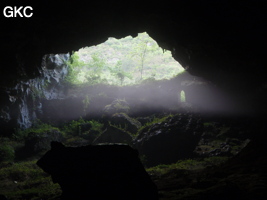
(36, 142)
(117, 106)
(168, 141)
(113, 135)
(126, 122)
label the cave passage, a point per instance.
(91, 80)
(93, 97)
(132, 61)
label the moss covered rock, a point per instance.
(170, 139)
(7, 153)
(117, 106)
(36, 142)
(113, 135)
(125, 122)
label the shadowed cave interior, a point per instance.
(200, 134)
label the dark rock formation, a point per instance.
(113, 135)
(98, 172)
(214, 40)
(36, 142)
(126, 122)
(221, 41)
(168, 141)
(3, 197)
(24, 102)
(242, 177)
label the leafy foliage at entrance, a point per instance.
(122, 62)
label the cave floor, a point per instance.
(221, 182)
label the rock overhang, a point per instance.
(218, 41)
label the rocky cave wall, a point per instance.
(221, 41)
(23, 104)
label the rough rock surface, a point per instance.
(113, 135)
(36, 142)
(168, 141)
(24, 102)
(117, 106)
(98, 172)
(222, 41)
(214, 40)
(128, 123)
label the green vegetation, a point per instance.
(75, 128)
(155, 120)
(140, 51)
(74, 66)
(119, 73)
(25, 180)
(122, 62)
(190, 164)
(117, 106)
(7, 153)
(126, 124)
(38, 127)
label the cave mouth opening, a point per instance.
(126, 61)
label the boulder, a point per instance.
(113, 135)
(2, 197)
(127, 123)
(168, 141)
(98, 172)
(117, 106)
(36, 142)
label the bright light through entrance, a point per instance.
(123, 62)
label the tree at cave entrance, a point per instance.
(122, 62)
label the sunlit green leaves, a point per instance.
(74, 68)
(119, 73)
(122, 62)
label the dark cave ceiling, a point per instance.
(222, 41)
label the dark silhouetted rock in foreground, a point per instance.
(98, 172)
(3, 197)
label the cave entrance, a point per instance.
(124, 61)
(182, 96)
